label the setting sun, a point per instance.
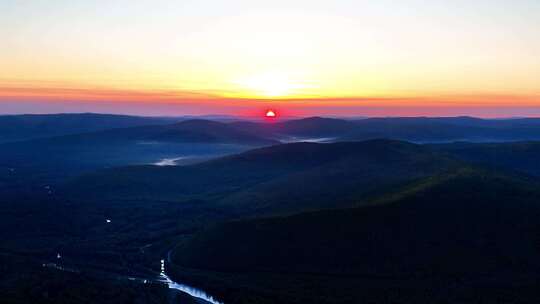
(270, 114)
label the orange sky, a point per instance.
(46, 100)
(305, 57)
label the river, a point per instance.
(192, 291)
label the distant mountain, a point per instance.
(305, 128)
(189, 131)
(475, 230)
(23, 127)
(207, 131)
(314, 126)
(69, 155)
(425, 129)
(416, 129)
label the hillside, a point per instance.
(475, 226)
(284, 178)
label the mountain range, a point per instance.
(315, 210)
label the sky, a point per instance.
(300, 57)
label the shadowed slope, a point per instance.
(521, 156)
(471, 230)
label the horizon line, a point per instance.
(208, 116)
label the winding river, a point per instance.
(192, 291)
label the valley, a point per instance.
(378, 220)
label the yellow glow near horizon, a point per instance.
(271, 84)
(305, 49)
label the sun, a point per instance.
(270, 114)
